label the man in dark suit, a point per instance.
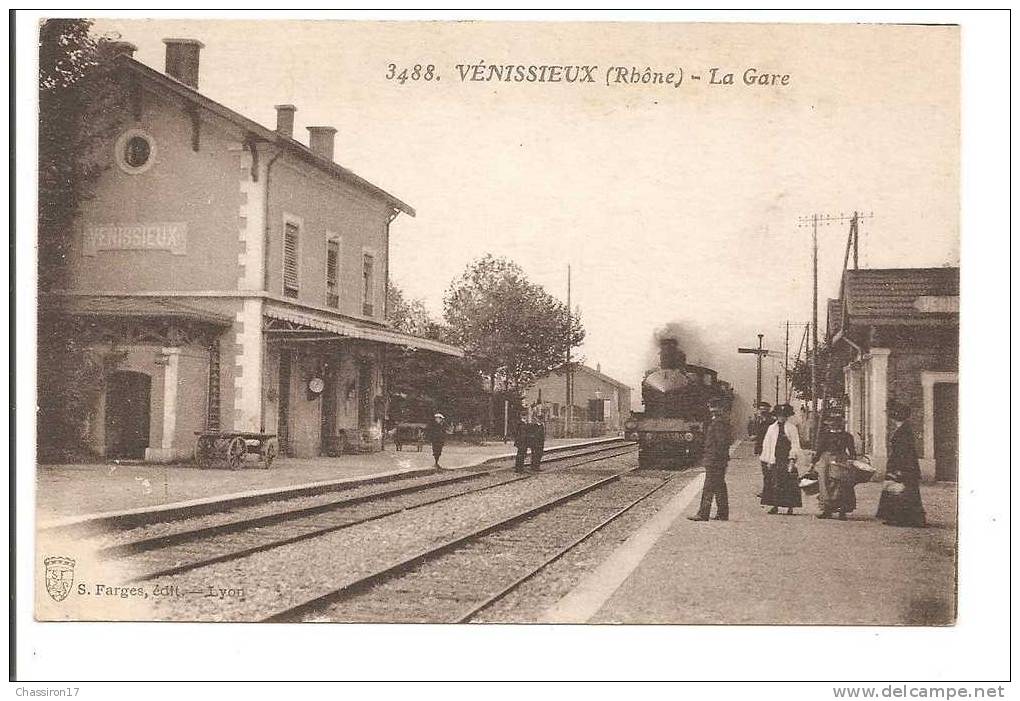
(531, 435)
(715, 459)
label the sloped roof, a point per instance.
(294, 147)
(578, 367)
(127, 305)
(896, 294)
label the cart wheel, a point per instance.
(270, 449)
(235, 453)
(202, 453)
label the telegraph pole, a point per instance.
(786, 364)
(813, 221)
(760, 353)
(568, 373)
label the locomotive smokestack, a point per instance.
(670, 356)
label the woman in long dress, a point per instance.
(835, 474)
(905, 508)
(779, 453)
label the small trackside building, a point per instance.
(898, 331)
(225, 276)
(599, 399)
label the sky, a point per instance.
(672, 205)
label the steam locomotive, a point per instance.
(671, 430)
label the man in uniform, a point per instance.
(716, 456)
(435, 433)
(531, 434)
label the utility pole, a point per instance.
(777, 389)
(813, 221)
(760, 352)
(568, 373)
(786, 364)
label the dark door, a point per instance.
(364, 395)
(947, 430)
(283, 413)
(328, 429)
(127, 414)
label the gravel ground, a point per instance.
(447, 588)
(284, 577)
(527, 603)
(165, 528)
(148, 564)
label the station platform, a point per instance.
(759, 568)
(77, 490)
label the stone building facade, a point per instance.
(898, 332)
(226, 276)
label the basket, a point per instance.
(808, 485)
(862, 471)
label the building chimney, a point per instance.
(182, 60)
(320, 141)
(116, 48)
(285, 120)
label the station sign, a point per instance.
(157, 236)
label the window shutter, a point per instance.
(290, 261)
(368, 297)
(332, 273)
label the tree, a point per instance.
(420, 383)
(829, 371)
(511, 328)
(79, 95)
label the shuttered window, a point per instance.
(368, 273)
(290, 260)
(333, 274)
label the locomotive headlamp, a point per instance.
(688, 437)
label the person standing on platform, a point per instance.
(435, 432)
(756, 429)
(716, 457)
(904, 508)
(531, 436)
(835, 475)
(779, 451)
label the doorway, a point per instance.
(327, 429)
(364, 395)
(947, 431)
(283, 408)
(127, 414)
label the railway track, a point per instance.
(455, 580)
(177, 547)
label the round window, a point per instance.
(135, 151)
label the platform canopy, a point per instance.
(283, 323)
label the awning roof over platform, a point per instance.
(150, 307)
(316, 326)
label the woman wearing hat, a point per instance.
(435, 432)
(904, 508)
(835, 476)
(779, 452)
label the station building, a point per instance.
(898, 332)
(598, 399)
(227, 277)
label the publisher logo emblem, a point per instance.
(59, 576)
